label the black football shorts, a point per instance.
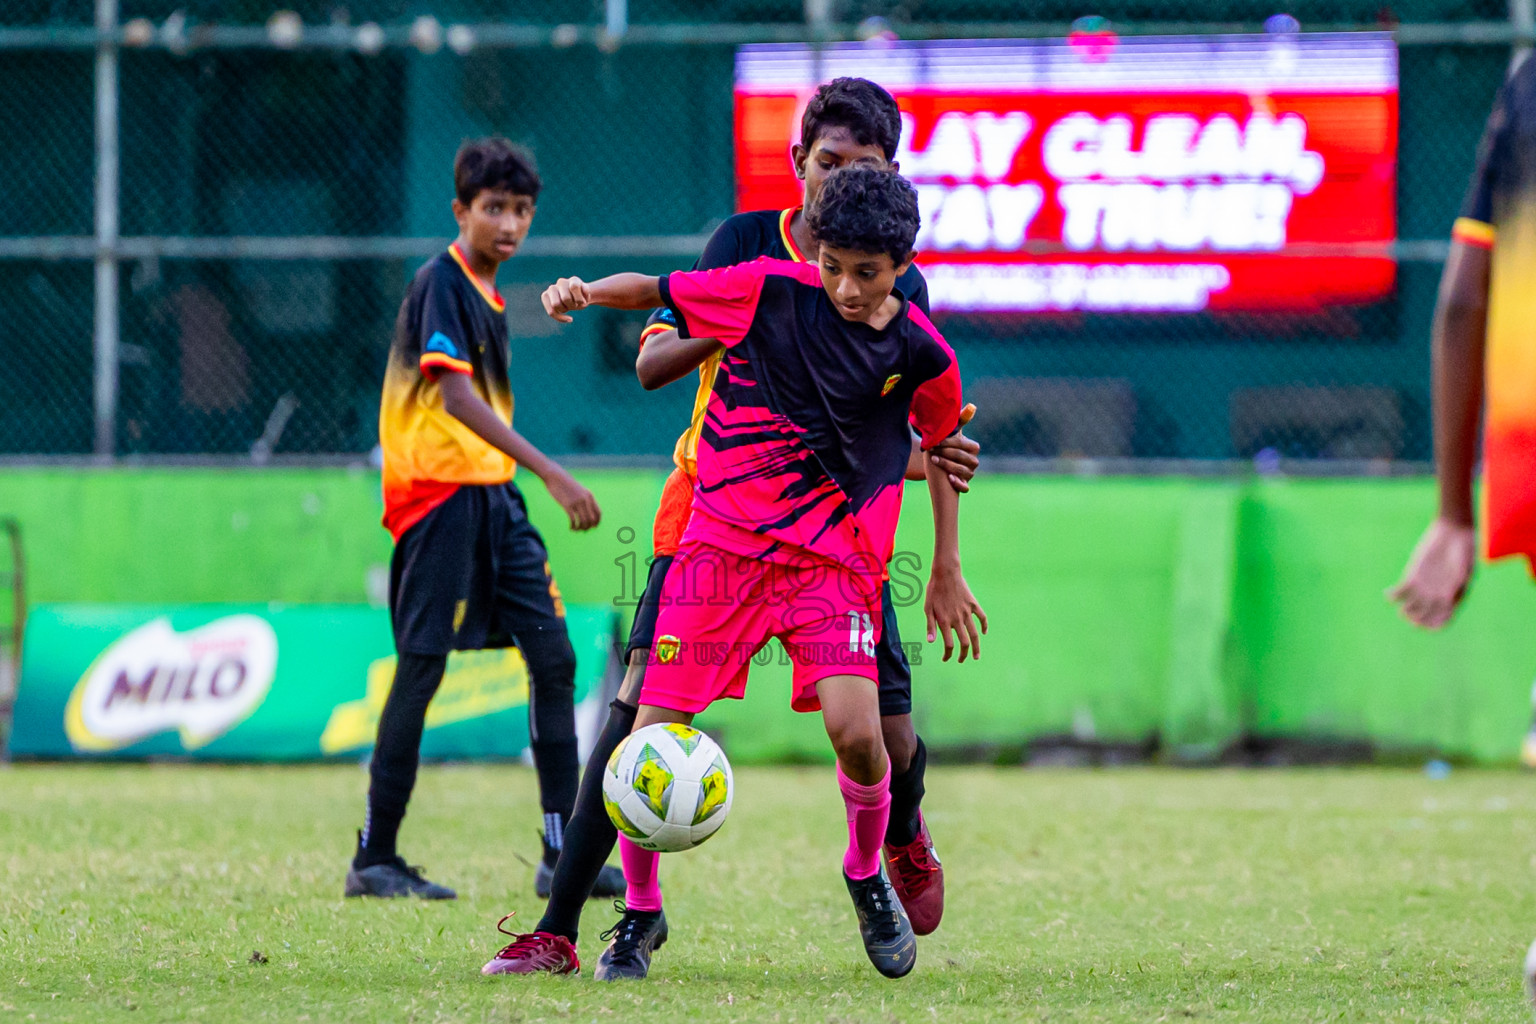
(472, 574)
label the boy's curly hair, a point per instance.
(867, 210)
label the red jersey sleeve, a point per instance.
(717, 304)
(936, 402)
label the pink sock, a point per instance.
(640, 872)
(869, 809)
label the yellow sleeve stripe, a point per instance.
(789, 240)
(653, 330)
(442, 361)
(1473, 232)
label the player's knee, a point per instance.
(900, 741)
(860, 748)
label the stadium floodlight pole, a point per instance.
(106, 316)
(617, 20)
(818, 20)
(1522, 18)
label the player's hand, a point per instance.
(1437, 575)
(957, 454)
(577, 501)
(951, 608)
(564, 295)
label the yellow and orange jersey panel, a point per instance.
(1500, 214)
(673, 513)
(685, 454)
(450, 322)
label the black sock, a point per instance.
(396, 754)
(589, 835)
(554, 836)
(552, 729)
(558, 769)
(906, 795)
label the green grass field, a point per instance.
(146, 893)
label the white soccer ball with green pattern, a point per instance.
(667, 787)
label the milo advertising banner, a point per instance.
(257, 682)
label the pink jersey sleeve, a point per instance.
(936, 403)
(718, 303)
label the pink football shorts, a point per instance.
(719, 609)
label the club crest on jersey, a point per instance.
(667, 648)
(890, 382)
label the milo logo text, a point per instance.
(202, 683)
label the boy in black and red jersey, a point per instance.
(469, 570)
(1484, 371)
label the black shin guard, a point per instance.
(589, 836)
(552, 730)
(397, 753)
(906, 795)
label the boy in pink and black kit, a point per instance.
(800, 466)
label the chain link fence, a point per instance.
(276, 192)
(1129, 14)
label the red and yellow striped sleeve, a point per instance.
(434, 363)
(652, 330)
(1473, 232)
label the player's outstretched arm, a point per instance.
(667, 356)
(618, 291)
(1440, 569)
(950, 607)
(463, 403)
(956, 455)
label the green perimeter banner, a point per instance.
(1190, 613)
(261, 682)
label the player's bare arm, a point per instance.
(667, 356)
(617, 291)
(951, 609)
(463, 403)
(957, 455)
(1440, 569)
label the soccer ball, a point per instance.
(667, 787)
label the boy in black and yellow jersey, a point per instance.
(469, 570)
(849, 121)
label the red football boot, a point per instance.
(533, 952)
(918, 878)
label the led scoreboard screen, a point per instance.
(1156, 175)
